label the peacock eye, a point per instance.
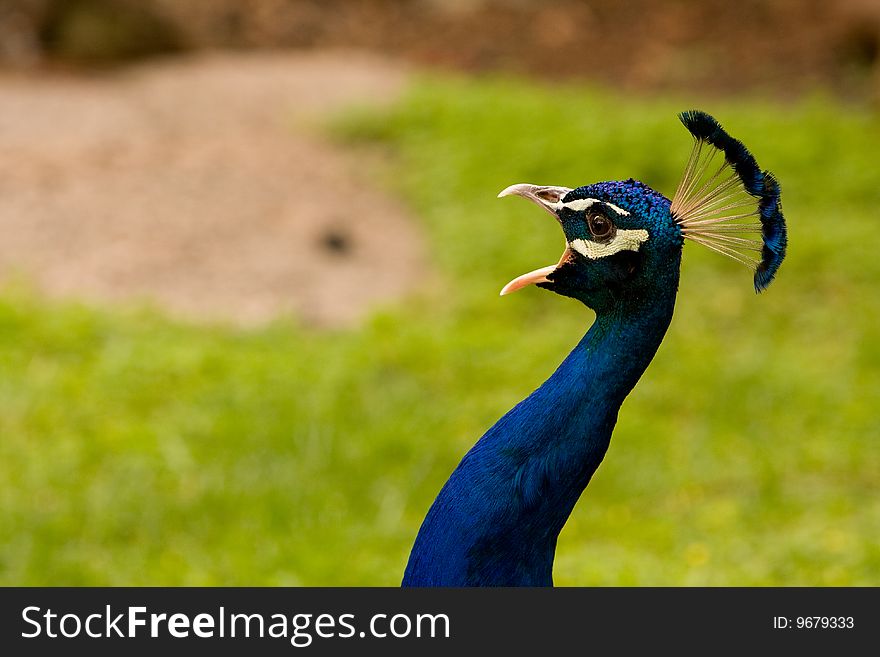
(601, 227)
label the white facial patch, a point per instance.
(581, 204)
(624, 240)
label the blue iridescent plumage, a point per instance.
(496, 520)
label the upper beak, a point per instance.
(549, 198)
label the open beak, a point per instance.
(549, 198)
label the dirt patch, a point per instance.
(193, 183)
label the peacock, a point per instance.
(496, 520)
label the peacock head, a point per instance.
(623, 240)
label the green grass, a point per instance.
(137, 450)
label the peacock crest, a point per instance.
(727, 203)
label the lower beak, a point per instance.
(549, 198)
(536, 276)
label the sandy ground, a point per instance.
(196, 184)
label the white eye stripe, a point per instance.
(581, 204)
(578, 205)
(624, 240)
(617, 209)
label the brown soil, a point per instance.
(194, 183)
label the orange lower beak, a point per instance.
(536, 276)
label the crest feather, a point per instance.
(732, 206)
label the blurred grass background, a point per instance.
(138, 450)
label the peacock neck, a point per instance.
(562, 430)
(497, 519)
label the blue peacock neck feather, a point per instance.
(497, 519)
